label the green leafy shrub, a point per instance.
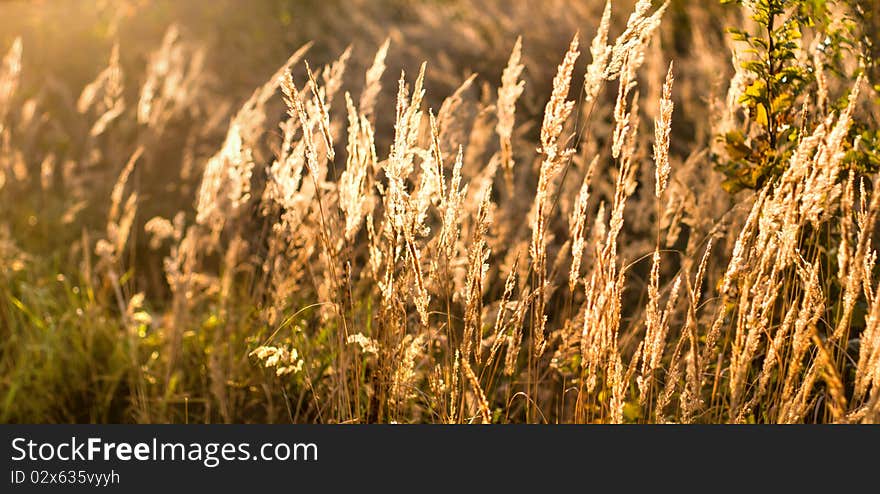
(786, 95)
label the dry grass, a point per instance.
(340, 249)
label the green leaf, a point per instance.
(761, 115)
